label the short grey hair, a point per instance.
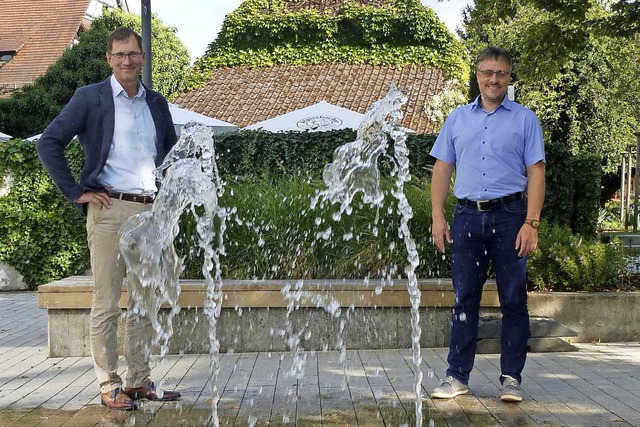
(497, 53)
(122, 34)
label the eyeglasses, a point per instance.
(120, 56)
(490, 73)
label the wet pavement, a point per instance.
(597, 386)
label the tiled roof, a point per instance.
(245, 96)
(39, 31)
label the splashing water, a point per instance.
(295, 296)
(190, 184)
(355, 170)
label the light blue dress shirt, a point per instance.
(490, 151)
(131, 161)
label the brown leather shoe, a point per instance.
(150, 393)
(117, 399)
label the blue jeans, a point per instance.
(478, 237)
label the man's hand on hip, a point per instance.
(99, 199)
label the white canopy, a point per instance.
(5, 137)
(182, 116)
(314, 118)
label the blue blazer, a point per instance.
(90, 114)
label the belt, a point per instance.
(493, 204)
(138, 198)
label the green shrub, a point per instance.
(558, 201)
(568, 262)
(41, 234)
(609, 216)
(271, 179)
(276, 234)
(573, 189)
(586, 211)
(250, 153)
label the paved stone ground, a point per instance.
(596, 386)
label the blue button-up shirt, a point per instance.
(491, 151)
(133, 153)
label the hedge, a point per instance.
(43, 236)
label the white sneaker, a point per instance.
(511, 390)
(450, 387)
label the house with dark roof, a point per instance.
(35, 33)
(245, 95)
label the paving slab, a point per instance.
(599, 385)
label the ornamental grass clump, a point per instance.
(274, 233)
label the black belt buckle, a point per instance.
(484, 205)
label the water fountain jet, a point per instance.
(190, 183)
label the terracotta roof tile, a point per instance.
(245, 96)
(40, 31)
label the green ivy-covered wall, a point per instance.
(262, 33)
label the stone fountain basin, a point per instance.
(254, 314)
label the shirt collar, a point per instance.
(117, 88)
(506, 103)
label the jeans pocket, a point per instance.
(518, 207)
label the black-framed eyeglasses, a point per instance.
(122, 55)
(490, 73)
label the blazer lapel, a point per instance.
(108, 114)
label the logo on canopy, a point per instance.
(319, 123)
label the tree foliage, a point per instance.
(568, 25)
(29, 110)
(623, 19)
(399, 32)
(581, 82)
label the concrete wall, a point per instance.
(268, 329)
(263, 325)
(596, 316)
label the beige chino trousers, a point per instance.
(103, 234)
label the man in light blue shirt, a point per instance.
(496, 148)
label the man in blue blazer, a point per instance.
(125, 130)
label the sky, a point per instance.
(199, 21)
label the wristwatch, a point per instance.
(532, 222)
